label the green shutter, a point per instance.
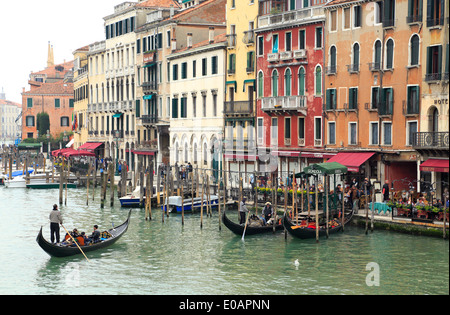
(71, 103)
(439, 59)
(302, 81)
(429, 60)
(29, 102)
(57, 103)
(138, 108)
(175, 108)
(328, 99)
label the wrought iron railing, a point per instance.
(431, 140)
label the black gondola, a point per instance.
(64, 251)
(251, 230)
(304, 232)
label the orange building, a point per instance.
(373, 77)
(51, 91)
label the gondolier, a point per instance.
(55, 220)
(242, 211)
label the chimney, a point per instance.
(50, 59)
(189, 40)
(172, 10)
(211, 35)
(174, 44)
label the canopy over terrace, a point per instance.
(328, 168)
(72, 153)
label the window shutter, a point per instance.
(328, 101)
(175, 108)
(138, 108)
(439, 59)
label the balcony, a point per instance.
(330, 70)
(411, 108)
(414, 19)
(238, 108)
(300, 54)
(148, 146)
(249, 37)
(386, 108)
(149, 87)
(290, 17)
(282, 104)
(231, 40)
(375, 66)
(274, 57)
(435, 22)
(286, 55)
(430, 77)
(149, 119)
(431, 141)
(353, 68)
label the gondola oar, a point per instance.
(246, 223)
(75, 243)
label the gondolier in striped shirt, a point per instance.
(55, 220)
(242, 211)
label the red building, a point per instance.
(290, 69)
(51, 91)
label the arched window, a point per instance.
(301, 81)
(390, 54)
(287, 82)
(260, 84)
(355, 60)
(414, 50)
(274, 83)
(318, 80)
(377, 55)
(332, 60)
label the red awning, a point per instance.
(61, 151)
(435, 165)
(90, 146)
(73, 152)
(352, 160)
(305, 154)
(149, 153)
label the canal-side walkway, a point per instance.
(398, 224)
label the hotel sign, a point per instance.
(149, 57)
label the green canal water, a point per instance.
(168, 258)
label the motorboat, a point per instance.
(175, 203)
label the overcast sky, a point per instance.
(26, 27)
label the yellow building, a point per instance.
(80, 86)
(240, 102)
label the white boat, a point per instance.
(20, 181)
(132, 200)
(175, 203)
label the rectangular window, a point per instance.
(318, 131)
(318, 37)
(331, 99)
(347, 18)
(274, 43)
(302, 39)
(175, 108)
(389, 13)
(352, 133)
(357, 16)
(412, 130)
(57, 103)
(194, 68)
(288, 42)
(434, 63)
(175, 72)
(301, 128)
(435, 12)
(214, 65)
(287, 130)
(183, 107)
(260, 130)
(184, 70)
(413, 100)
(29, 102)
(333, 21)
(260, 45)
(373, 136)
(29, 121)
(332, 132)
(353, 98)
(274, 132)
(386, 102)
(375, 97)
(387, 133)
(204, 66)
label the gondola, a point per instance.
(63, 251)
(305, 232)
(251, 230)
